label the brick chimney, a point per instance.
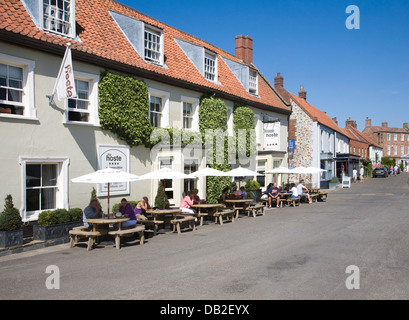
(368, 123)
(384, 124)
(302, 93)
(279, 81)
(406, 126)
(350, 123)
(335, 120)
(244, 48)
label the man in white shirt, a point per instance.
(355, 174)
(303, 191)
(361, 174)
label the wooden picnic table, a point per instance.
(205, 206)
(174, 220)
(155, 213)
(244, 202)
(105, 221)
(314, 190)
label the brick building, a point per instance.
(394, 141)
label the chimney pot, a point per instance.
(368, 123)
(279, 81)
(406, 126)
(302, 94)
(244, 48)
(384, 124)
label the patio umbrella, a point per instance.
(242, 172)
(209, 172)
(165, 174)
(108, 176)
(280, 171)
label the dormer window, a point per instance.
(253, 82)
(153, 46)
(210, 67)
(59, 17)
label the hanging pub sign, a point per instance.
(272, 136)
(115, 157)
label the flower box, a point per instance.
(11, 238)
(54, 232)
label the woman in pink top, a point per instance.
(187, 203)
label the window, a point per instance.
(210, 71)
(16, 87)
(159, 108)
(395, 137)
(58, 16)
(253, 82)
(402, 137)
(389, 137)
(84, 108)
(261, 169)
(153, 46)
(402, 150)
(190, 167)
(168, 184)
(389, 150)
(155, 109)
(187, 115)
(395, 148)
(44, 187)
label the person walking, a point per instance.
(361, 174)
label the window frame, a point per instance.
(159, 33)
(165, 106)
(195, 116)
(62, 185)
(93, 81)
(253, 89)
(72, 32)
(214, 75)
(28, 66)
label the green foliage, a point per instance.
(250, 186)
(75, 214)
(243, 119)
(368, 167)
(402, 166)
(388, 162)
(161, 200)
(174, 136)
(124, 108)
(10, 218)
(94, 196)
(47, 218)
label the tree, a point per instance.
(161, 200)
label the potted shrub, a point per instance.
(56, 224)
(334, 183)
(11, 225)
(253, 190)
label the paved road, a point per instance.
(299, 253)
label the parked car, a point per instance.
(380, 172)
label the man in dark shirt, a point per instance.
(273, 193)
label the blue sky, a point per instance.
(347, 73)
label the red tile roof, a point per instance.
(320, 116)
(357, 135)
(100, 36)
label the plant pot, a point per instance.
(333, 185)
(11, 238)
(54, 232)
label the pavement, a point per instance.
(290, 253)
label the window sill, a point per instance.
(82, 124)
(17, 117)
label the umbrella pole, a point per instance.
(164, 194)
(108, 199)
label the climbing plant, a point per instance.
(124, 108)
(243, 119)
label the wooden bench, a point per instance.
(314, 197)
(153, 223)
(178, 221)
(225, 213)
(255, 209)
(322, 196)
(119, 233)
(76, 234)
(293, 201)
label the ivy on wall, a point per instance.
(124, 108)
(243, 119)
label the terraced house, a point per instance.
(47, 143)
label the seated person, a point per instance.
(196, 198)
(141, 208)
(224, 196)
(243, 193)
(187, 203)
(294, 191)
(127, 211)
(274, 193)
(303, 191)
(91, 212)
(238, 193)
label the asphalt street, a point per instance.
(290, 253)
